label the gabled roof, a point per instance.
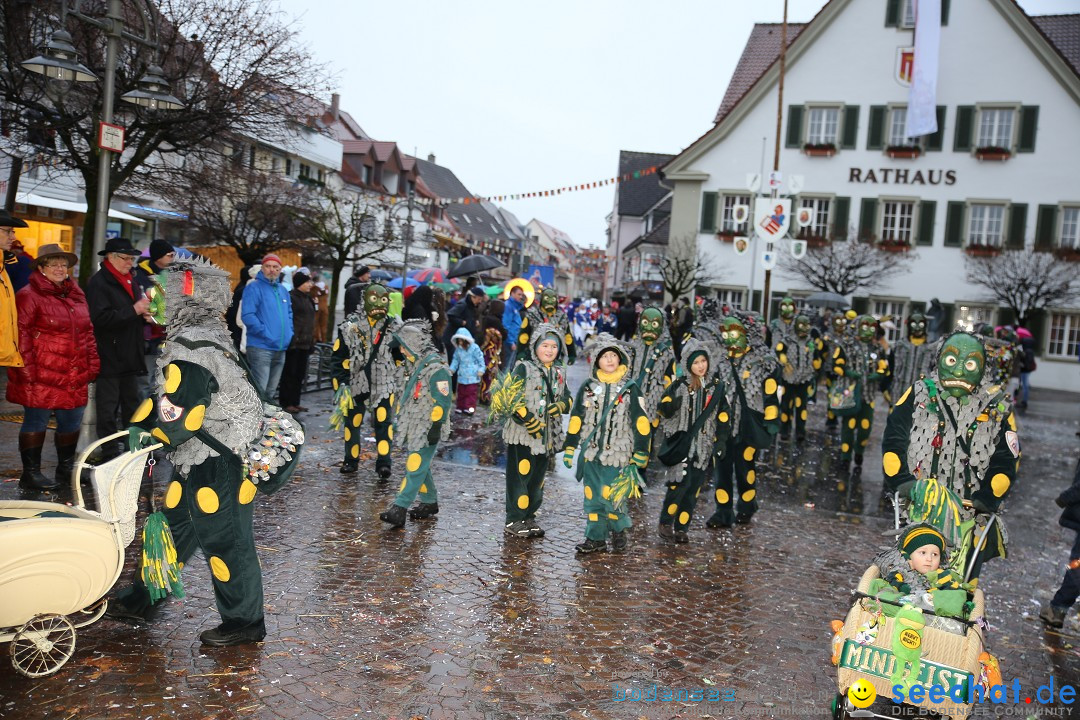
(761, 51)
(442, 181)
(1063, 32)
(639, 194)
(557, 236)
(657, 236)
(470, 219)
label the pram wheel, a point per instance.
(43, 645)
(840, 707)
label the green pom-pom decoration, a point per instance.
(160, 571)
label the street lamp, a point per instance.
(408, 231)
(59, 60)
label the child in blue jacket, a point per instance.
(469, 365)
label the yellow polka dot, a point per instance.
(143, 411)
(524, 323)
(523, 338)
(684, 517)
(593, 517)
(751, 476)
(798, 402)
(160, 435)
(749, 495)
(568, 339)
(643, 426)
(1012, 422)
(770, 386)
(172, 378)
(890, 462)
(390, 400)
(612, 516)
(524, 466)
(173, 494)
(380, 414)
(802, 414)
(390, 432)
(412, 463)
(345, 363)
(722, 497)
(748, 454)
(522, 411)
(1000, 484)
(783, 418)
(348, 435)
(783, 358)
(588, 493)
(403, 482)
(723, 417)
(219, 569)
(845, 447)
(207, 500)
(904, 397)
(337, 344)
(383, 447)
(523, 502)
(771, 412)
(334, 382)
(672, 509)
(575, 425)
(864, 424)
(357, 419)
(851, 423)
(605, 492)
(746, 375)
(355, 451)
(423, 488)
(656, 423)
(436, 414)
(247, 492)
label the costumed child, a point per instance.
(531, 401)
(653, 366)
(419, 418)
(917, 567)
(226, 445)
(492, 349)
(860, 367)
(547, 311)
(611, 429)
(468, 364)
(798, 355)
(699, 424)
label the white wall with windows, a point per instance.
(945, 196)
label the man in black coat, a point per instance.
(1054, 612)
(118, 308)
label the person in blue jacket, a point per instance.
(267, 313)
(513, 311)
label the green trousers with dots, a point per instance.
(383, 432)
(793, 407)
(735, 479)
(855, 431)
(601, 516)
(524, 482)
(418, 479)
(681, 498)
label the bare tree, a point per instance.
(1026, 281)
(251, 210)
(845, 266)
(235, 65)
(685, 266)
(347, 225)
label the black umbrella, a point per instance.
(382, 275)
(826, 300)
(474, 264)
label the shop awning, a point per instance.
(77, 207)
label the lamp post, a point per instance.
(59, 60)
(408, 232)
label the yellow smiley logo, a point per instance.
(862, 694)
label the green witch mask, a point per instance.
(650, 325)
(866, 328)
(839, 324)
(376, 301)
(734, 335)
(787, 308)
(802, 326)
(960, 364)
(917, 326)
(548, 301)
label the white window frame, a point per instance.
(1063, 340)
(822, 205)
(1070, 225)
(897, 310)
(970, 314)
(734, 297)
(899, 233)
(728, 201)
(999, 139)
(902, 140)
(822, 138)
(981, 225)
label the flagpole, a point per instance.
(776, 155)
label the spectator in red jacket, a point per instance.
(60, 359)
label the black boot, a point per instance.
(424, 511)
(30, 450)
(349, 466)
(722, 518)
(65, 455)
(619, 542)
(228, 633)
(591, 546)
(395, 516)
(667, 532)
(384, 472)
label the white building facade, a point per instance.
(1002, 85)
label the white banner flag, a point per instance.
(922, 98)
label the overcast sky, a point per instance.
(516, 97)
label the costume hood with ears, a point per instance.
(601, 344)
(547, 331)
(412, 339)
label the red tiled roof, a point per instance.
(761, 51)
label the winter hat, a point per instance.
(271, 257)
(159, 249)
(362, 271)
(919, 536)
(299, 278)
(477, 291)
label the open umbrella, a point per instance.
(382, 275)
(826, 300)
(428, 275)
(474, 264)
(492, 291)
(1023, 332)
(396, 283)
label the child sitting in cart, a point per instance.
(912, 573)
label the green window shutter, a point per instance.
(954, 224)
(892, 13)
(868, 219)
(927, 210)
(708, 212)
(1029, 121)
(944, 12)
(875, 134)
(1017, 226)
(860, 305)
(965, 119)
(936, 140)
(947, 319)
(1006, 316)
(841, 211)
(755, 303)
(851, 127)
(1045, 227)
(794, 126)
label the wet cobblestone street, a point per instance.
(451, 619)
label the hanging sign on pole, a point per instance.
(773, 218)
(742, 244)
(798, 249)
